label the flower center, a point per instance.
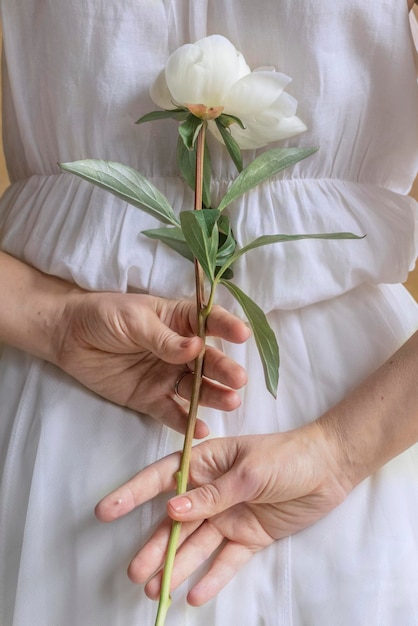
(204, 112)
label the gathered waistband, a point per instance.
(66, 227)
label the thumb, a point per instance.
(168, 345)
(209, 499)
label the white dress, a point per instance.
(76, 77)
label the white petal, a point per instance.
(257, 135)
(265, 68)
(160, 92)
(222, 50)
(255, 92)
(285, 104)
(202, 73)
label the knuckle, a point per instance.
(164, 341)
(210, 497)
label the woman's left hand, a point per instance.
(249, 491)
(131, 349)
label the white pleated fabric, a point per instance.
(76, 77)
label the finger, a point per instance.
(181, 315)
(223, 324)
(166, 344)
(173, 347)
(160, 477)
(212, 498)
(218, 366)
(150, 558)
(148, 483)
(171, 413)
(176, 348)
(212, 395)
(192, 554)
(231, 558)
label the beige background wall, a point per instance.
(412, 282)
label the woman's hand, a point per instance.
(248, 492)
(132, 349)
(128, 348)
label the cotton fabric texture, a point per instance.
(76, 77)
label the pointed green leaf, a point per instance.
(227, 243)
(261, 169)
(126, 183)
(201, 234)
(263, 334)
(227, 120)
(266, 240)
(189, 130)
(186, 160)
(172, 237)
(231, 145)
(176, 114)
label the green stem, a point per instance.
(182, 475)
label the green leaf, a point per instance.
(231, 145)
(262, 168)
(186, 160)
(264, 336)
(176, 114)
(189, 130)
(172, 237)
(227, 120)
(201, 234)
(227, 243)
(266, 240)
(226, 247)
(126, 183)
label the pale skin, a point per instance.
(128, 348)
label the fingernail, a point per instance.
(181, 505)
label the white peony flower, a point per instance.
(210, 78)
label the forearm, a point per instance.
(379, 419)
(32, 304)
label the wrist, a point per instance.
(32, 313)
(332, 452)
(335, 442)
(58, 299)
